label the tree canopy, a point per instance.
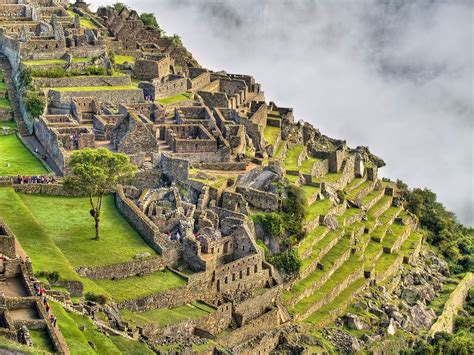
(96, 172)
(149, 19)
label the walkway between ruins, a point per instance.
(34, 144)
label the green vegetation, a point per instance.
(94, 172)
(4, 103)
(57, 72)
(86, 23)
(41, 340)
(16, 159)
(271, 134)
(34, 62)
(167, 316)
(291, 160)
(307, 165)
(176, 98)
(149, 19)
(141, 286)
(79, 340)
(35, 103)
(122, 59)
(8, 124)
(450, 237)
(96, 88)
(311, 238)
(67, 221)
(318, 208)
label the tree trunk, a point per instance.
(97, 220)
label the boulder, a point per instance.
(354, 322)
(422, 317)
(410, 295)
(331, 222)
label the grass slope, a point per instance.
(67, 221)
(21, 160)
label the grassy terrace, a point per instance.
(317, 208)
(291, 160)
(70, 227)
(330, 177)
(96, 88)
(337, 303)
(328, 261)
(279, 149)
(317, 247)
(56, 232)
(396, 230)
(349, 212)
(409, 244)
(313, 236)
(353, 184)
(78, 340)
(339, 276)
(370, 196)
(141, 286)
(4, 103)
(380, 203)
(175, 99)
(353, 194)
(8, 124)
(44, 62)
(310, 190)
(384, 218)
(384, 262)
(307, 165)
(41, 340)
(166, 316)
(271, 134)
(122, 59)
(16, 159)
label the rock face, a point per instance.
(354, 322)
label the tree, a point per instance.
(96, 172)
(149, 19)
(34, 103)
(119, 6)
(176, 40)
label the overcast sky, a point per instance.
(393, 75)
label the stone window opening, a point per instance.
(248, 271)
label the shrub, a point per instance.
(96, 70)
(91, 296)
(288, 262)
(273, 224)
(149, 19)
(34, 102)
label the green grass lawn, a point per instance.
(41, 340)
(4, 103)
(308, 241)
(3, 85)
(68, 223)
(8, 124)
(310, 190)
(307, 165)
(271, 134)
(291, 160)
(16, 159)
(140, 286)
(77, 340)
(167, 316)
(317, 247)
(44, 62)
(122, 59)
(317, 208)
(176, 98)
(86, 23)
(96, 88)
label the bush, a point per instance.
(272, 223)
(34, 102)
(96, 70)
(48, 73)
(288, 262)
(52, 276)
(149, 19)
(91, 296)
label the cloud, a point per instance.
(393, 75)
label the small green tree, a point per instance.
(119, 6)
(34, 103)
(149, 19)
(176, 40)
(96, 172)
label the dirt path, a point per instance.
(454, 303)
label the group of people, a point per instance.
(41, 293)
(36, 179)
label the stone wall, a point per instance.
(255, 306)
(75, 81)
(62, 99)
(7, 241)
(260, 199)
(131, 268)
(175, 168)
